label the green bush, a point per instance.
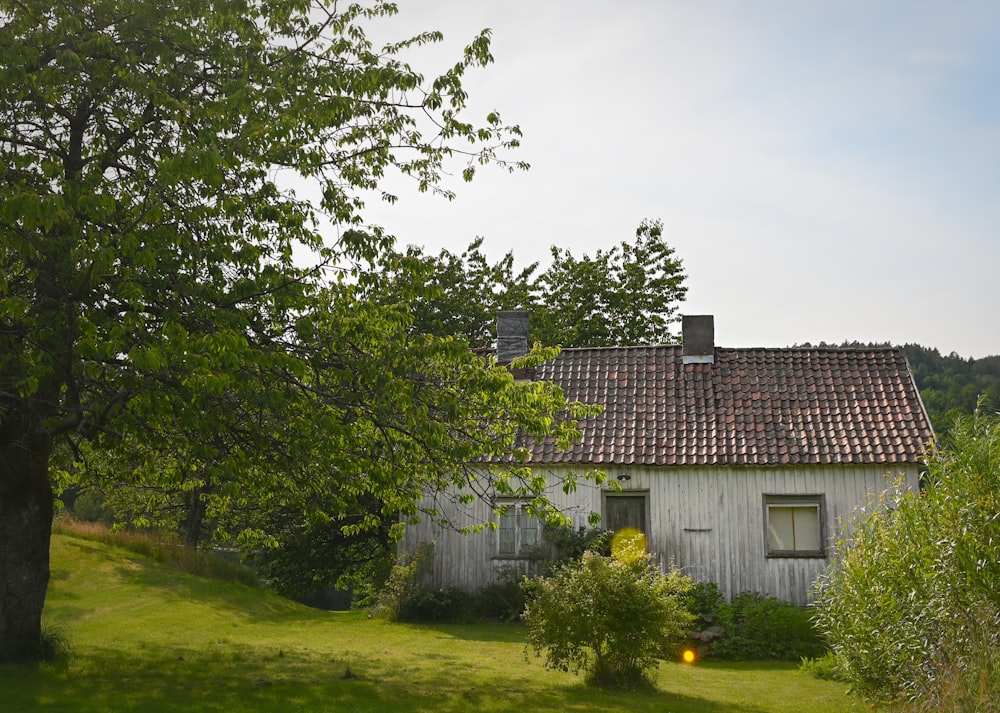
(823, 667)
(752, 627)
(401, 583)
(562, 544)
(403, 599)
(706, 603)
(445, 604)
(608, 616)
(911, 602)
(503, 601)
(764, 628)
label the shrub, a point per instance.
(403, 599)
(562, 544)
(759, 628)
(503, 601)
(610, 616)
(753, 627)
(435, 605)
(402, 582)
(911, 603)
(823, 667)
(706, 603)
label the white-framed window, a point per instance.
(517, 531)
(793, 525)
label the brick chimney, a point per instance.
(698, 339)
(513, 328)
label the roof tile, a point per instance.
(753, 406)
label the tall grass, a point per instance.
(51, 646)
(159, 546)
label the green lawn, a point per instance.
(147, 638)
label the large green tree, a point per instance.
(148, 294)
(625, 295)
(449, 294)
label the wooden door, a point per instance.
(621, 511)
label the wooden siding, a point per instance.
(707, 521)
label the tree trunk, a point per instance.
(195, 517)
(25, 531)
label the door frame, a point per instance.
(637, 493)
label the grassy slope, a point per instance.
(148, 638)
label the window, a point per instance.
(794, 525)
(518, 530)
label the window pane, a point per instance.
(793, 528)
(780, 528)
(507, 532)
(807, 534)
(529, 530)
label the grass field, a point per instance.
(147, 638)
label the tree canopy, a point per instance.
(627, 294)
(149, 299)
(952, 386)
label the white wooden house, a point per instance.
(738, 464)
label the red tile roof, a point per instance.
(751, 407)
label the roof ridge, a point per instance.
(620, 346)
(859, 349)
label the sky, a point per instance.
(826, 171)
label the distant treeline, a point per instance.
(949, 385)
(952, 385)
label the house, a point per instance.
(738, 464)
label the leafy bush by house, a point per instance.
(708, 606)
(911, 603)
(430, 605)
(752, 627)
(764, 628)
(563, 543)
(503, 601)
(823, 667)
(403, 598)
(402, 582)
(608, 616)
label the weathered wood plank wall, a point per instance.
(709, 522)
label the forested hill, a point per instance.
(953, 384)
(949, 384)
